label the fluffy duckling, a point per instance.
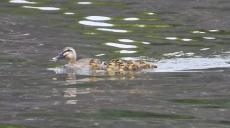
(95, 63)
(143, 65)
(132, 66)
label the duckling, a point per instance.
(122, 67)
(111, 66)
(94, 63)
(131, 66)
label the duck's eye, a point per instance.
(67, 50)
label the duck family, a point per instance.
(116, 65)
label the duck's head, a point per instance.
(67, 53)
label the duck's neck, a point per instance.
(72, 62)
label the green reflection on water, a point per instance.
(115, 114)
(111, 114)
(10, 126)
(209, 103)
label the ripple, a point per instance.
(43, 8)
(209, 38)
(198, 32)
(84, 3)
(145, 42)
(185, 64)
(171, 38)
(98, 18)
(151, 13)
(131, 19)
(178, 54)
(69, 13)
(113, 30)
(213, 30)
(204, 49)
(127, 51)
(22, 2)
(102, 54)
(93, 23)
(186, 39)
(126, 40)
(120, 45)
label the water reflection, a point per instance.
(117, 45)
(131, 19)
(209, 38)
(198, 32)
(69, 13)
(113, 30)
(126, 40)
(127, 51)
(190, 64)
(84, 3)
(22, 2)
(93, 23)
(171, 38)
(98, 18)
(186, 39)
(43, 8)
(166, 38)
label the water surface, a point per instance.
(188, 89)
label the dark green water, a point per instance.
(187, 39)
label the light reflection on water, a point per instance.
(22, 2)
(179, 93)
(43, 8)
(93, 23)
(98, 18)
(117, 45)
(113, 30)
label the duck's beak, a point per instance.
(58, 57)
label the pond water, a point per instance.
(187, 39)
